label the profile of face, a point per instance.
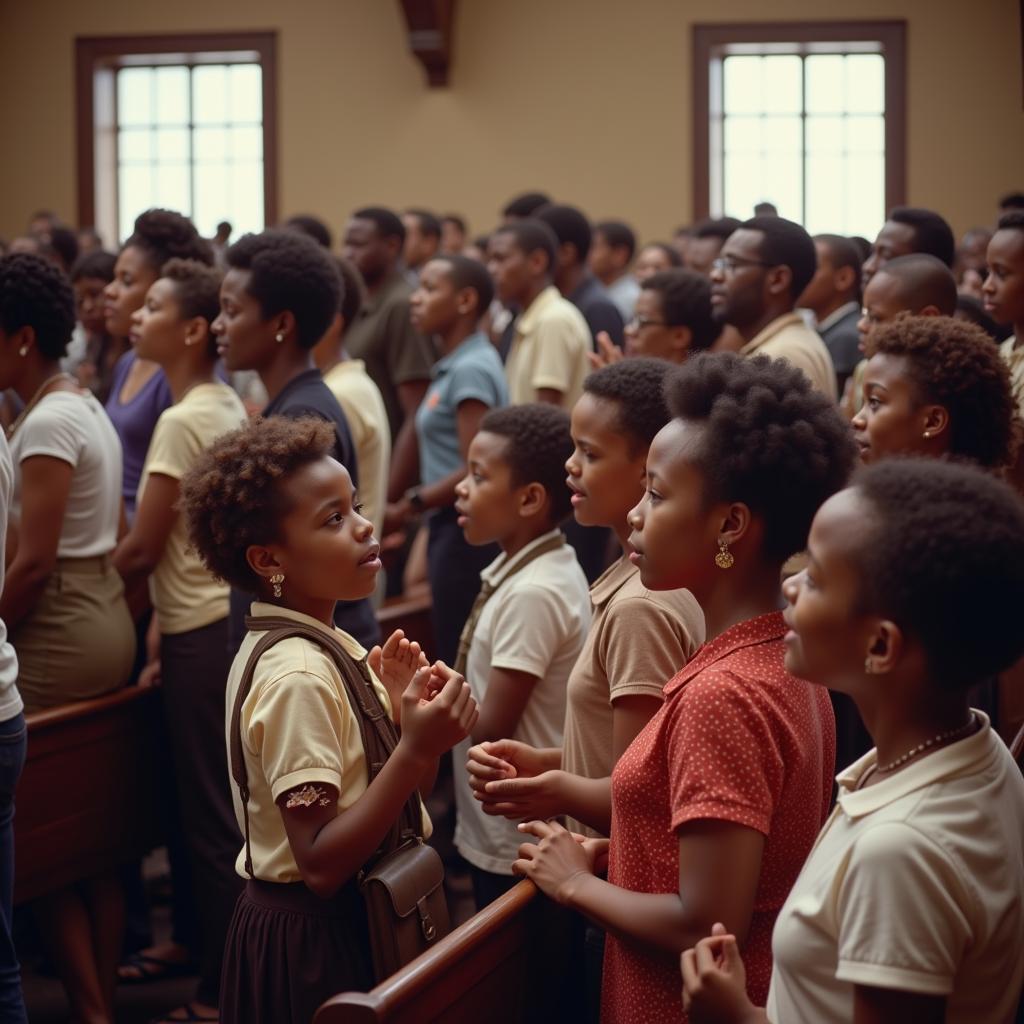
(883, 301)
(246, 340)
(701, 253)
(830, 634)
(487, 502)
(830, 285)
(453, 238)
(648, 334)
(675, 527)
(133, 274)
(606, 262)
(606, 468)
(372, 253)
(740, 285)
(895, 419)
(326, 549)
(1003, 290)
(419, 247)
(89, 304)
(513, 271)
(159, 331)
(652, 260)
(436, 304)
(893, 240)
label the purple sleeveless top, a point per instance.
(134, 422)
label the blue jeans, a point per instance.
(13, 736)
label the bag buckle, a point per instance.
(427, 925)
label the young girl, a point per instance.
(716, 803)
(172, 330)
(270, 511)
(911, 904)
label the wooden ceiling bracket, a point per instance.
(430, 36)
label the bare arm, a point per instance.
(630, 713)
(404, 450)
(550, 396)
(508, 690)
(141, 549)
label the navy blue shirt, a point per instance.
(591, 298)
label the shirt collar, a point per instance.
(611, 581)
(960, 758)
(529, 316)
(838, 314)
(296, 382)
(262, 608)
(502, 566)
(473, 342)
(779, 324)
(760, 630)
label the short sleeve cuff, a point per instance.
(709, 810)
(635, 689)
(54, 453)
(884, 976)
(534, 666)
(303, 777)
(165, 469)
(550, 381)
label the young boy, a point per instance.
(1004, 293)
(527, 628)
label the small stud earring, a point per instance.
(23, 351)
(724, 559)
(279, 337)
(869, 667)
(275, 581)
(927, 433)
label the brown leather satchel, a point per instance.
(403, 882)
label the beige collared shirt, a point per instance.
(549, 350)
(915, 883)
(788, 337)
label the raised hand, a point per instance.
(433, 720)
(715, 982)
(607, 352)
(502, 759)
(395, 664)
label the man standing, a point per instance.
(422, 242)
(611, 252)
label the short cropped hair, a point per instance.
(1012, 221)
(429, 224)
(670, 253)
(570, 225)
(35, 293)
(932, 233)
(525, 205)
(842, 251)
(98, 265)
(197, 289)
(1012, 201)
(312, 226)
(618, 234)
(954, 364)
(529, 235)
(162, 235)
(538, 442)
(387, 222)
(232, 496)
(456, 219)
(686, 302)
(64, 242)
(468, 273)
(353, 291)
(785, 243)
(637, 387)
(289, 271)
(924, 280)
(715, 227)
(769, 440)
(945, 562)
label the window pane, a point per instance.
(865, 83)
(135, 96)
(865, 134)
(781, 184)
(135, 145)
(825, 134)
(247, 196)
(865, 195)
(135, 194)
(209, 94)
(172, 145)
(211, 190)
(780, 87)
(246, 93)
(171, 96)
(172, 187)
(210, 145)
(742, 85)
(825, 188)
(744, 135)
(246, 143)
(782, 135)
(826, 83)
(743, 176)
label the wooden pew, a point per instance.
(89, 798)
(502, 966)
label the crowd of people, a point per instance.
(703, 522)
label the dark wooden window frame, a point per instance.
(711, 42)
(97, 54)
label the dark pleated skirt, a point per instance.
(288, 951)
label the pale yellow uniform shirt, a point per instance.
(788, 337)
(1014, 357)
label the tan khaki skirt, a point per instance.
(78, 642)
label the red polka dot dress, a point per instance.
(738, 739)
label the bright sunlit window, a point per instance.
(190, 138)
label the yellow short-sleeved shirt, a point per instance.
(1014, 356)
(549, 350)
(788, 337)
(297, 728)
(181, 588)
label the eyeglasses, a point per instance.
(730, 264)
(871, 318)
(640, 322)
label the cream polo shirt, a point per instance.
(535, 623)
(297, 727)
(915, 883)
(183, 591)
(1014, 357)
(549, 350)
(788, 337)
(361, 401)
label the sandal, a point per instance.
(153, 968)
(192, 1016)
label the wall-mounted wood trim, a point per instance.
(709, 39)
(93, 52)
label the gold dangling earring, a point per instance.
(275, 581)
(724, 559)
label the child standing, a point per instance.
(528, 626)
(270, 511)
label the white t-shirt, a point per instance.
(535, 622)
(916, 884)
(10, 699)
(73, 427)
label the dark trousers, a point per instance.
(194, 672)
(13, 741)
(488, 885)
(453, 566)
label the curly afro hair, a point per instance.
(637, 387)
(164, 234)
(232, 496)
(945, 562)
(954, 364)
(686, 302)
(769, 441)
(34, 293)
(289, 271)
(538, 444)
